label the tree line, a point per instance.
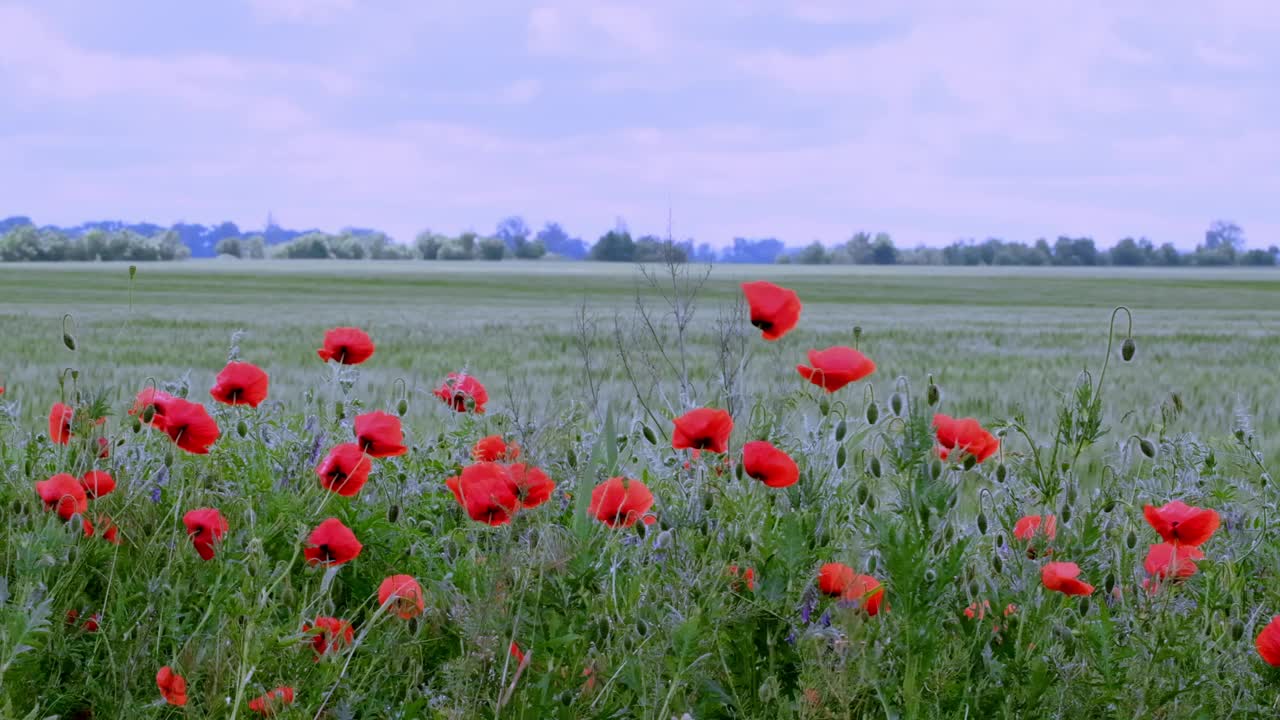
(21, 240)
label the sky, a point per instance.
(797, 119)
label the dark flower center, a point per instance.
(762, 323)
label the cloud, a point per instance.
(299, 11)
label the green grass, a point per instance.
(649, 611)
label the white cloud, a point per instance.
(299, 11)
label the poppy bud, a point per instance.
(1127, 349)
(824, 406)
(974, 588)
(403, 477)
(1001, 473)
(402, 407)
(840, 457)
(1109, 583)
(857, 334)
(168, 459)
(137, 424)
(1148, 448)
(149, 413)
(1084, 606)
(875, 466)
(707, 502)
(863, 494)
(739, 471)
(1237, 630)
(982, 522)
(242, 428)
(339, 411)
(1109, 505)
(622, 441)
(895, 403)
(949, 534)
(68, 340)
(873, 413)
(999, 540)
(970, 461)
(871, 503)
(650, 435)
(1131, 539)
(932, 395)
(572, 458)
(871, 564)
(997, 564)
(935, 469)
(930, 575)
(1065, 513)
(133, 271)
(393, 513)
(841, 429)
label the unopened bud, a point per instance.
(242, 428)
(393, 513)
(137, 424)
(873, 413)
(739, 471)
(1071, 495)
(1127, 349)
(402, 407)
(1109, 583)
(572, 457)
(840, 457)
(875, 467)
(1084, 606)
(863, 494)
(1237, 630)
(841, 428)
(339, 410)
(650, 435)
(932, 395)
(1109, 505)
(148, 413)
(895, 403)
(970, 461)
(999, 540)
(997, 564)
(1131, 540)
(133, 271)
(935, 469)
(982, 522)
(949, 534)
(824, 406)
(1147, 447)
(871, 564)
(857, 334)
(1001, 473)
(930, 575)
(871, 502)
(1065, 513)
(1239, 433)
(168, 459)
(69, 340)
(622, 441)
(974, 588)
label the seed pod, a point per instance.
(970, 461)
(1148, 448)
(932, 395)
(824, 406)
(841, 428)
(1131, 540)
(1127, 349)
(1109, 583)
(402, 407)
(650, 435)
(393, 513)
(895, 403)
(339, 410)
(930, 576)
(242, 428)
(862, 494)
(873, 413)
(1237, 630)
(982, 522)
(875, 466)
(997, 564)
(840, 457)
(1084, 606)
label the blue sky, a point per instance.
(802, 120)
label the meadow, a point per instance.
(586, 365)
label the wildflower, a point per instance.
(516, 652)
(106, 528)
(332, 543)
(1061, 576)
(463, 393)
(153, 401)
(486, 491)
(836, 367)
(620, 502)
(494, 449)
(206, 526)
(771, 466)
(405, 595)
(1268, 642)
(1028, 526)
(379, 434)
(269, 704)
(173, 687)
(104, 448)
(838, 579)
(97, 483)
(703, 429)
(60, 423)
(531, 485)
(329, 634)
(345, 469)
(63, 493)
(1181, 524)
(190, 426)
(976, 610)
(240, 383)
(774, 310)
(964, 434)
(346, 345)
(747, 575)
(1179, 560)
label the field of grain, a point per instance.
(555, 615)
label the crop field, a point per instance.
(882, 580)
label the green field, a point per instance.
(586, 365)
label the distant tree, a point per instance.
(747, 250)
(614, 246)
(428, 244)
(654, 249)
(1258, 258)
(228, 246)
(1127, 253)
(253, 247)
(514, 233)
(882, 250)
(557, 241)
(813, 254)
(1224, 234)
(492, 249)
(530, 250)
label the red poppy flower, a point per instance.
(63, 493)
(346, 345)
(836, 367)
(104, 448)
(494, 449)
(1181, 524)
(97, 483)
(747, 575)
(332, 543)
(775, 310)
(769, 465)
(462, 393)
(516, 653)
(1268, 642)
(838, 579)
(173, 687)
(487, 492)
(206, 526)
(329, 634)
(157, 400)
(1061, 576)
(190, 426)
(405, 595)
(91, 625)
(620, 502)
(240, 383)
(1028, 525)
(833, 578)
(271, 703)
(703, 429)
(106, 528)
(1164, 558)
(965, 434)
(60, 423)
(344, 470)
(380, 435)
(532, 486)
